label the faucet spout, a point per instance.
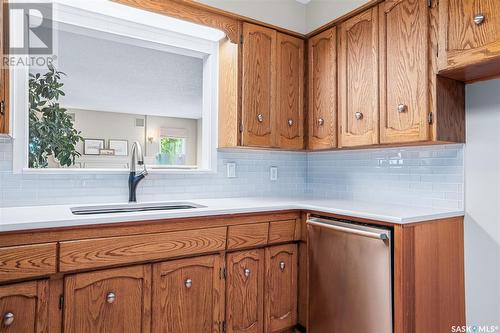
(137, 157)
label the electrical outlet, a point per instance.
(231, 170)
(273, 173)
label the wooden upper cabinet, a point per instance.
(259, 86)
(290, 91)
(469, 36)
(404, 61)
(245, 292)
(24, 307)
(188, 295)
(114, 300)
(280, 311)
(4, 72)
(322, 111)
(358, 80)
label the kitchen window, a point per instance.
(121, 75)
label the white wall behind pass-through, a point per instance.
(482, 203)
(295, 15)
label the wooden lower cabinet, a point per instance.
(113, 300)
(24, 307)
(188, 295)
(280, 310)
(245, 292)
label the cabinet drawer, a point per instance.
(248, 235)
(20, 262)
(281, 231)
(100, 252)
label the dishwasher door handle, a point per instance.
(370, 234)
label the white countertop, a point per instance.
(39, 217)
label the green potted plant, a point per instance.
(52, 137)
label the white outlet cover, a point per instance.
(273, 173)
(231, 170)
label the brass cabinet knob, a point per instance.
(188, 283)
(260, 118)
(111, 298)
(358, 115)
(479, 19)
(247, 272)
(402, 108)
(8, 319)
(321, 122)
(282, 266)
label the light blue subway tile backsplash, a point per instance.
(431, 176)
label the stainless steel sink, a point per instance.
(132, 207)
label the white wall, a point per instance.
(288, 14)
(320, 12)
(482, 204)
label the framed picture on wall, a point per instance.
(92, 146)
(119, 146)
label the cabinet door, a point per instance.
(4, 72)
(113, 300)
(322, 113)
(245, 292)
(259, 86)
(466, 30)
(280, 309)
(290, 88)
(358, 80)
(24, 307)
(188, 295)
(404, 57)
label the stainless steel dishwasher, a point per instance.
(350, 277)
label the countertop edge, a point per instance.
(106, 220)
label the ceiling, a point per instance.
(107, 75)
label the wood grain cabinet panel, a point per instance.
(21, 262)
(322, 111)
(282, 231)
(404, 49)
(259, 86)
(24, 307)
(113, 300)
(4, 73)
(188, 295)
(101, 252)
(358, 80)
(280, 309)
(247, 235)
(469, 38)
(290, 91)
(463, 32)
(245, 292)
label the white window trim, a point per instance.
(121, 24)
